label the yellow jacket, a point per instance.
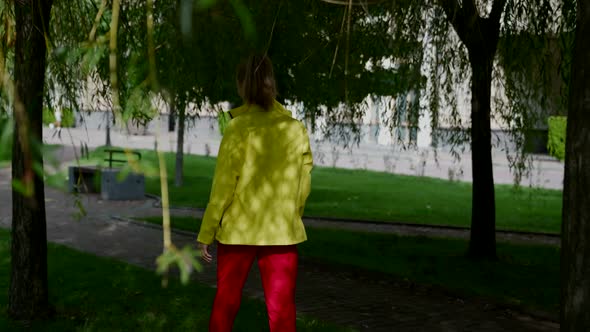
(234, 113)
(261, 182)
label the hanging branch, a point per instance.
(113, 57)
(92, 34)
(338, 43)
(151, 49)
(347, 52)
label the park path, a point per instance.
(365, 302)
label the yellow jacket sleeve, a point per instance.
(227, 170)
(307, 165)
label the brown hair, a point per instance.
(256, 81)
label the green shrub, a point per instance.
(67, 117)
(557, 134)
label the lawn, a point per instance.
(524, 274)
(98, 294)
(358, 194)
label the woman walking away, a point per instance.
(262, 180)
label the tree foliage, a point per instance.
(460, 40)
(328, 58)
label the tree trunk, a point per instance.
(575, 245)
(28, 293)
(108, 138)
(482, 244)
(180, 147)
(480, 36)
(172, 116)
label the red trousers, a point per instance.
(278, 270)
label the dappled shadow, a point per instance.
(261, 181)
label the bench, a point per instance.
(132, 187)
(115, 151)
(94, 179)
(83, 179)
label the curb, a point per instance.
(158, 204)
(150, 225)
(416, 225)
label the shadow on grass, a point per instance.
(99, 294)
(524, 275)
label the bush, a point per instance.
(67, 117)
(557, 134)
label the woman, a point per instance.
(262, 180)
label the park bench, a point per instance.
(83, 179)
(94, 179)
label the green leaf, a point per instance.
(92, 58)
(223, 120)
(149, 168)
(185, 259)
(81, 209)
(245, 18)
(186, 18)
(56, 180)
(20, 187)
(123, 173)
(38, 169)
(205, 4)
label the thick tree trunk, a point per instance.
(482, 244)
(575, 245)
(180, 147)
(28, 293)
(480, 36)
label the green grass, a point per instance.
(524, 274)
(380, 196)
(98, 294)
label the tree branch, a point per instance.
(496, 13)
(455, 15)
(469, 8)
(491, 24)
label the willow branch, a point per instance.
(113, 56)
(338, 43)
(151, 48)
(101, 10)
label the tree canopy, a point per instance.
(327, 57)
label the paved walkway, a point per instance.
(368, 303)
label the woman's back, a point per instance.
(269, 157)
